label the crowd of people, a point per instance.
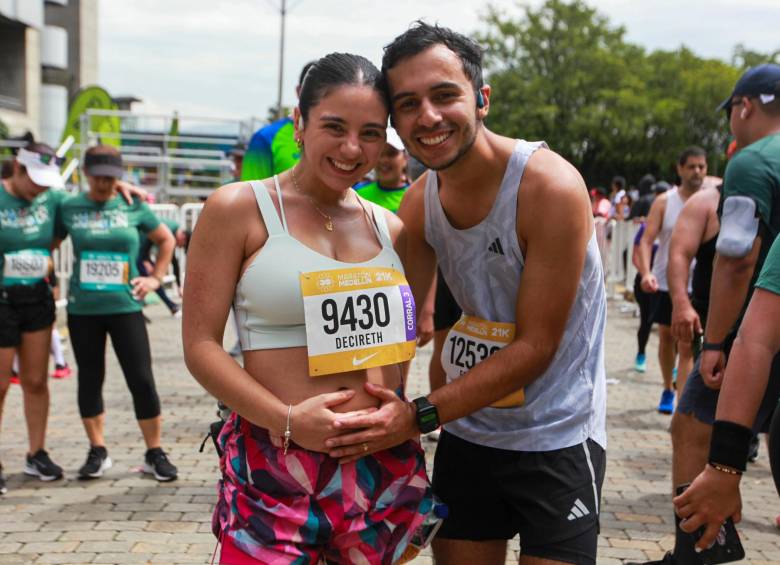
(345, 246)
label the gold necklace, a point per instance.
(328, 219)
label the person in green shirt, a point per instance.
(145, 263)
(105, 299)
(27, 216)
(391, 179)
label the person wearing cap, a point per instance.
(749, 224)
(27, 311)
(391, 181)
(105, 298)
(272, 149)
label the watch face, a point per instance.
(427, 415)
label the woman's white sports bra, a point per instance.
(268, 303)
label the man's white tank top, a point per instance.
(483, 266)
(674, 205)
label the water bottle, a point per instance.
(422, 537)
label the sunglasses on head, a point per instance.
(47, 159)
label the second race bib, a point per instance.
(472, 340)
(27, 266)
(357, 318)
(105, 271)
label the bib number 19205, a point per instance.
(361, 311)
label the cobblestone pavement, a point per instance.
(130, 518)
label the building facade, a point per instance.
(49, 50)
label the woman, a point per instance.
(283, 251)
(27, 217)
(106, 298)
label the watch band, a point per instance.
(426, 414)
(711, 346)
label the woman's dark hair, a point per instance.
(422, 36)
(334, 70)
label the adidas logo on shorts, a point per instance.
(496, 247)
(579, 510)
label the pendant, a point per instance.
(329, 225)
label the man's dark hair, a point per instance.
(645, 184)
(692, 151)
(305, 70)
(619, 182)
(334, 70)
(421, 36)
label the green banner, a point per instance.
(107, 127)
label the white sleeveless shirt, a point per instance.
(674, 205)
(483, 266)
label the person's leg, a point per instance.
(7, 355)
(684, 363)
(131, 344)
(666, 355)
(88, 338)
(33, 366)
(465, 552)
(644, 301)
(436, 375)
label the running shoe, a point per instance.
(97, 462)
(666, 406)
(3, 488)
(156, 463)
(61, 372)
(176, 313)
(753, 453)
(640, 363)
(668, 559)
(41, 466)
(14, 380)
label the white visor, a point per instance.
(394, 139)
(41, 173)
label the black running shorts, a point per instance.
(550, 498)
(21, 318)
(663, 309)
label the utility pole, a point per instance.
(281, 62)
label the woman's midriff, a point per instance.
(285, 373)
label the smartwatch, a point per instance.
(427, 415)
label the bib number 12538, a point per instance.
(472, 340)
(357, 318)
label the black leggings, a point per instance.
(131, 344)
(646, 307)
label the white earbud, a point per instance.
(743, 113)
(300, 122)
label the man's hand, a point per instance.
(649, 283)
(711, 368)
(424, 328)
(712, 497)
(392, 424)
(128, 191)
(685, 323)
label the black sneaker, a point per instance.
(3, 488)
(753, 454)
(156, 463)
(97, 462)
(39, 465)
(667, 560)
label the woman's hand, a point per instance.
(143, 286)
(311, 421)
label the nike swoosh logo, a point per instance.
(356, 362)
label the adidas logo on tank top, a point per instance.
(496, 247)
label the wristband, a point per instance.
(711, 346)
(730, 445)
(722, 469)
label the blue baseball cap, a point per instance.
(762, 81)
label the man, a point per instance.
(641, 206)
(272, 149)
(691, 168)
(391, 183)
(749, 224)
(534, 308)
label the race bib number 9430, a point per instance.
(105, 271)
(27, 266)
(472, 340)
(357, 318)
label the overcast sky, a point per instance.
(220, 58)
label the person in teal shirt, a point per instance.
(391, 179)
(105, 298)
(272, 149)
(28, 211)
(145, 262)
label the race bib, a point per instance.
(357, 318)
(106, 271)
(472, 340)
(27, 266)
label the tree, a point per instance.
(561, 72)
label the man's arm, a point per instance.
(645, 249)
(687, 235)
